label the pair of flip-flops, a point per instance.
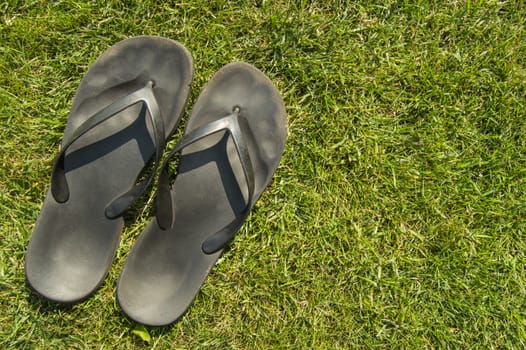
(127, 105)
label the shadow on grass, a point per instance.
(44, 306)
(139, 334)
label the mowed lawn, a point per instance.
(396, 218)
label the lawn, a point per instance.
(396, 218)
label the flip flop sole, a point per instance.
(166, 268)
(74, 242)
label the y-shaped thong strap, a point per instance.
(59, 185)
(234, 125)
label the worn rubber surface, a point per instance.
(74, 242)
(166, 268)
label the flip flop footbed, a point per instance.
(73, 242)
(166, 268)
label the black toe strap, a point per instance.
(59, 185)
(234, 125)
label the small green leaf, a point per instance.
(142, 332)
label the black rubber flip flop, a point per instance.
(127, 105)
(233, 142)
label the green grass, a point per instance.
(396, 218)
